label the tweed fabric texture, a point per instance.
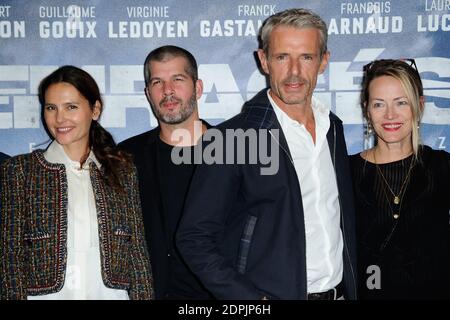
(33, 228)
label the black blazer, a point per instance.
(143, 147)
(243, 233)
(3, 157)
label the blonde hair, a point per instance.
(411, 83)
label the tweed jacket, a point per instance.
(33, 238)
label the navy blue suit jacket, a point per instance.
(243, 233)
(3, 157)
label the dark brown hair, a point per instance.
(101, 141)
(166, 53)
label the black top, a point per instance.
(144, 149)
(412, 251)
(174, 183)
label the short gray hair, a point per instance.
(297, 18)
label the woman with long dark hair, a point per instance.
(71, 220)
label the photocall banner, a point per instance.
(110, 39)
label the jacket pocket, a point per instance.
(124, 232)
(41, 258)
(245, 243)
(37, 235)
(121, 256)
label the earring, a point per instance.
(369, 137)
(369, 130)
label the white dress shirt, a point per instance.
(320, 197)
(83, 279)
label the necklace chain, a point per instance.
(397, 198)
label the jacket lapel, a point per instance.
(331, 138)
(150, 187)
(260, 115)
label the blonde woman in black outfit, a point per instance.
(401, 188)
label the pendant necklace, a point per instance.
(397, 198)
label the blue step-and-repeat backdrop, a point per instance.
(111, 38)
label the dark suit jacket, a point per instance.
(3, 157)
(143, 147)
(243, 233)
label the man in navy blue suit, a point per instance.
(286, 234)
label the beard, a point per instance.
(185, 111)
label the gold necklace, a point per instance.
(397, 214)
(397, 198)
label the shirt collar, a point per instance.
(55, 154)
